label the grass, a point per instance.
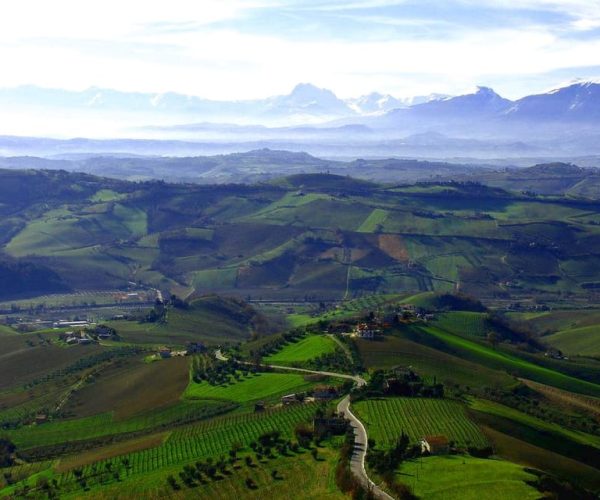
(6, 330)
(318, 481)
(521, 452)
(104, 195)
(304, 350)
(376, 218)
(250, 388)
(387, 418)
(513, 364)
(460, 477)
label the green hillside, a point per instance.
(325, 236)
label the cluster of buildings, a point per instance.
(81, 338)
(191, 348)
(62, 323)
(366, 331)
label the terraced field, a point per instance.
(387, 418)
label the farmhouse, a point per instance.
(289, 399)
(365, 331)
(435, 445)
(77, 338)
(66, 324)
(41, 418)
(164, 352)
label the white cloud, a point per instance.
(157, 46)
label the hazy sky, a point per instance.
(246, 49)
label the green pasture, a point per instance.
(251, 388)
(460, 477)
(304, 350)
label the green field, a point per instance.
(400, 351)
(583, 341)
(512, 364)
(318, 481)
(533, 422)
(250, 388)
(64, 431)
(376, 218)
(386, 419)
(212, 438)
(6, 330)
(282, 239)
(467, 478)
(304, 350)
(472, 324)
(209, 319)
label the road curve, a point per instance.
(361, 444)
(361, 439)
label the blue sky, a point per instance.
(242, 49)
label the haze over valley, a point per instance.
(300, 249)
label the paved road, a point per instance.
(361, 439)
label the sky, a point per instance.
(246, 49)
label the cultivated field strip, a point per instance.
(386, 419)
(472, 324)
(207, 439)
(105, 425)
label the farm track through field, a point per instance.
(361, 439)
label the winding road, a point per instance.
(361, 438)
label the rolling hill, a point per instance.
(317, 235)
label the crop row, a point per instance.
(465, 323)
(418, 417)
(203, 440)
(104, 425)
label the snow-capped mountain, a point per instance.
(577, 102)
(374, 103)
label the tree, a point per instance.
(492, 338)
(7, 450)
(173, 483)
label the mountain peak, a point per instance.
(308, 90)
(485, 90)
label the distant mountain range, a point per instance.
(576, 104)
(579, 102)
(306, 103)
(563, 123)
